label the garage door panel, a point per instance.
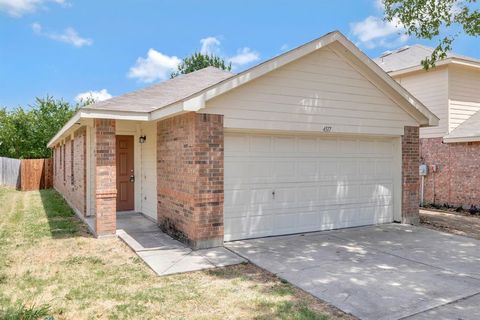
(259, 225)
(348, 146)
(300, 196)
(260, 143)
(307, 145)
(384, 148)
(287, 184)
(283, 144)
(383, 169)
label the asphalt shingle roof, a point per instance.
(410, 56)
(470, 128)
(164, 93)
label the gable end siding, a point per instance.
(464, 94)
(431, 88)
(318, 90)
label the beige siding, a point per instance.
(149, 170)
(431, 88)
(319, 90)
(464, 88)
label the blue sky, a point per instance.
(66, 48)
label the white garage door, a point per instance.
(278, 184)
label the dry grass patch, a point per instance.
(459, 223)
(50, 265)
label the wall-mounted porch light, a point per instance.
(142, 139)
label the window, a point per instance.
(63, 167)
(72, 171)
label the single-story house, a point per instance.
(316, 138)
(452, 149)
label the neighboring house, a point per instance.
(317, 138)
(452, 149)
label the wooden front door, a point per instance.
(125, 173)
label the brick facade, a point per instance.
(190, 178)
(456, 180)
(105, 177)
(69, 170)
(410, 175)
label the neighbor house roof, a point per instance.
(190, 92)
(467, 131)
(409, 59)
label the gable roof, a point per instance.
(191, 92)
(164, 93)
(467, 131)
(410, 57)
(343, 47)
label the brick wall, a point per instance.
(410, 175)
(105, 177)
(190, 178)
(456, 181)
(72, 187)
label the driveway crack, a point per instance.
(439, 306)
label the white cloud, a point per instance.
(244, 56)
(156, 66)
(284, 47)
(69, 35)
(17, 8)
(374, 32)
(379, 5)
(210, 45)
(94, 95)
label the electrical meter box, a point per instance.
(423, 169)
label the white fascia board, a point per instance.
(64, 129)
(466, 63)
(195, 103)
(456, 61)
(418, 68)
(117, 115)
(461, 139)
(85, 113)
(167, 111)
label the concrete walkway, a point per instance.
(165, 255)
(381, 272)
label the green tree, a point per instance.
(199, 61)
(444, 20)
(25, 132)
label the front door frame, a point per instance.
(133, 171)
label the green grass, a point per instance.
(22, 312)
(50, 267)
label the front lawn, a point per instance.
(50, 266)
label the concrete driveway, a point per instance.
(390, 271)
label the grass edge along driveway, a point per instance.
(50, 266)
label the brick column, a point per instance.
(105, 177)
(410, 175)
(210, 187)
(190, 178)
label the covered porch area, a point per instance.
(121, 173)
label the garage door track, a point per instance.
(389, 271)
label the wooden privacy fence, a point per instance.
(36, 174)
(10, 172)
(26, 174)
